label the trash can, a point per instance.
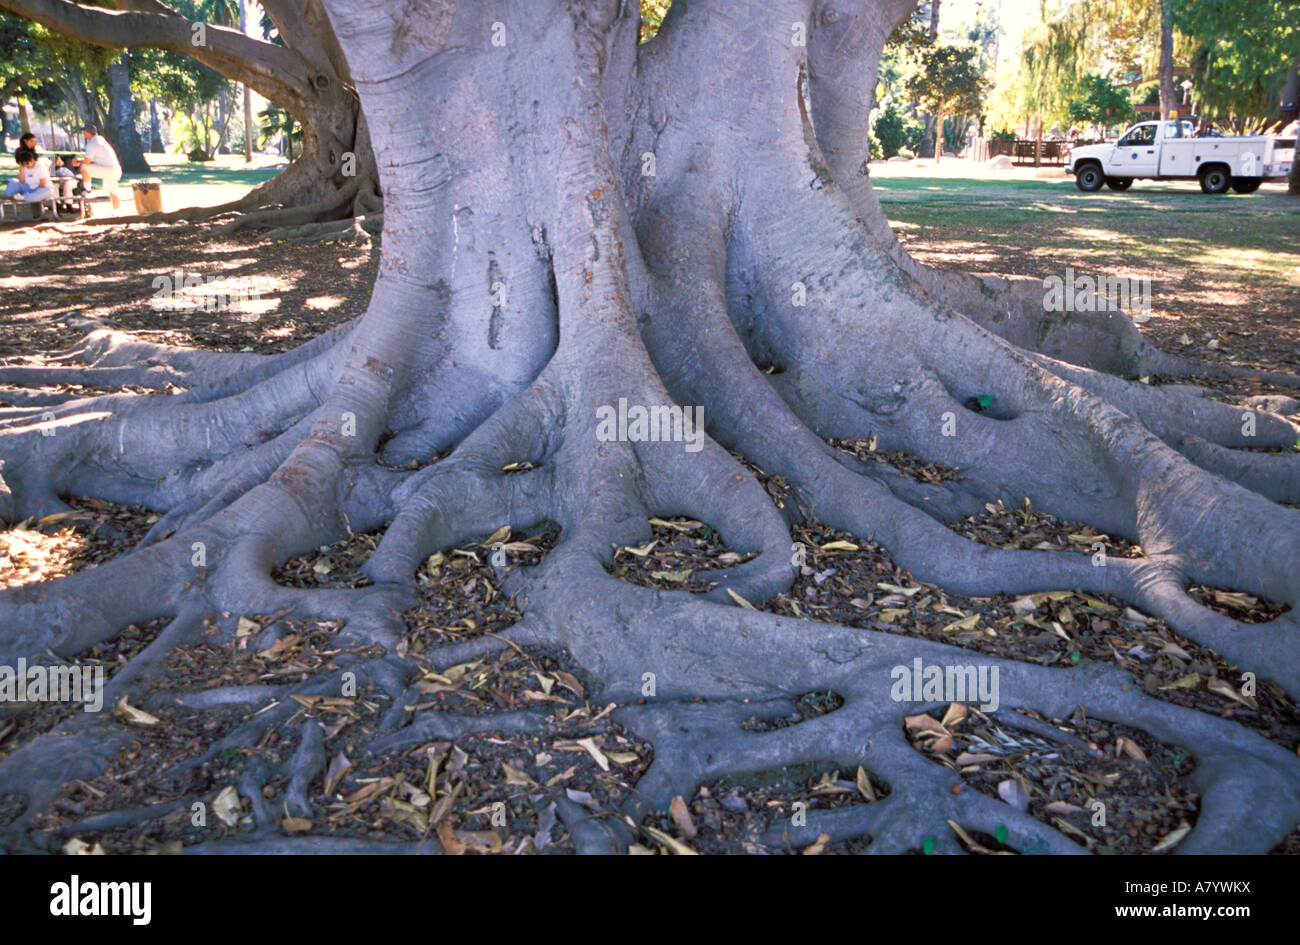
(148, 195)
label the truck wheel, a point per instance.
(1119, 183)
(1215, 180)
(1246, 185)
(1089, 178)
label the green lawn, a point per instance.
(1223, 268)
(226, 170)
(1153, 225)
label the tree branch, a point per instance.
(276, 72)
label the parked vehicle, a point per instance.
(1168, 150)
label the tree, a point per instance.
(1100, 102)
(569, 234)
(300, 68)
(1242, 55)
(948, 84)
(1168, 95)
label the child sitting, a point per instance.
(33, 181)
(70, 169)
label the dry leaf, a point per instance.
(228, 807)
(1172, 838)
(740, 600)
(817, 848)
(338, 767)
(1224, 688)
(673, 844)
(595, 752)
(138, 716)
(682, 817)
(864, 785)
(1130, 748)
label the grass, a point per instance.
(1153, 226)
(226, 170)
(1223, 271)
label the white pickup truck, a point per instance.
(1167, 150)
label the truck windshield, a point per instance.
(1142, 134)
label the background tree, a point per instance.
(300, 68)
(569, 226)
(949, 82)
(1100, 102)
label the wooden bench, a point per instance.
(66, 206)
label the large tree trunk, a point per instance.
(1289, 111)
(121, 131)
(570, 227)
(1168, 94)
(156, 145)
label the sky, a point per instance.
(1015, 15)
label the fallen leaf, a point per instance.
(740, 600)
(227, 806)
(1172, 838)
(138, 716)
(1224, 688)
(337, 768)
(447, 836)
(1130, 748)
(682, 817)
(817, 848)
(78, 847)
(595, 752)
(864, 785)
(1014, 794)
(924, 723)
(673, 844)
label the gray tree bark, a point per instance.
(156, 145)
(1168, 94)
(567, 224)
(122, 132)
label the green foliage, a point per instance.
(892, 131)
(949, 82)
(274, 120)
(652, 17)
(1242, 50)
(1098, 101)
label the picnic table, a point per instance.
(64, 206)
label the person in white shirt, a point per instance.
(100, 161)
(33, 181)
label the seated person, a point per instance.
(33, 181)
(100, 161)
(70, 170)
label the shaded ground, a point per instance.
(1224, 270)
(1057, 769)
